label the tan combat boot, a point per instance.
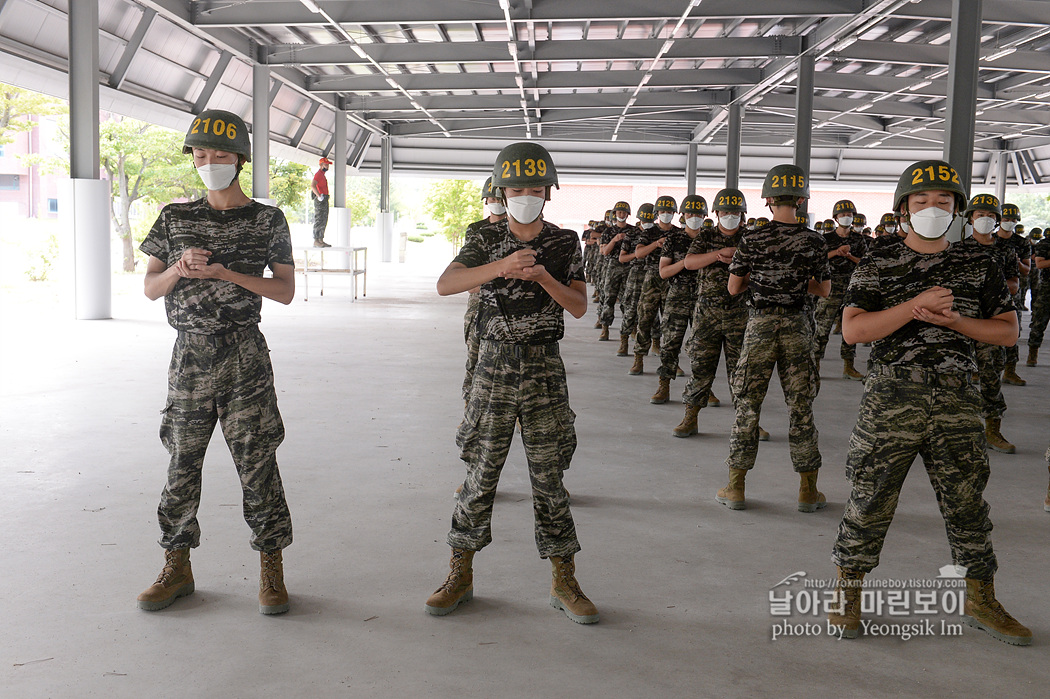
(712, 400)
(566, 594)
(605, 333)
(850, 372)
(637, 367)
(809, 498)
(732, 496)
(273, 595)
(995, 438)
(656, 346)
(845, 614)
(688, 426)
(1010, 376)
(625, 340)
(175, 580)
(597, 325)
(763, 436)
(678, 371)
(1033, 356)
(663, 393)
(458, 586)
(984, 612)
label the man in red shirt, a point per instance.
(319, 189)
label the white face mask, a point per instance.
(665, 216)
(216, 176)
(729, 222)
(891, 229)
(932, 222)
(844, 221)
(984, 225)
(646, 225)
(694, 222)
(525, 209)
(495, 208)
(1008, 226)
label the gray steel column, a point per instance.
(736, 119)
(339, 159)
(84, 207)
(1000, 176)
(386, 226)
(690, 170)
(804, 118)
(964, 53)
(83, 91)
(260, 131)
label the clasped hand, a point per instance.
(194, 265)
(935, 306)
(522, 265)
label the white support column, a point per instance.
(386, 216)
(261, 133)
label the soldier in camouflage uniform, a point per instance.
(1023, 249)
(681, 293)
(615, 270)
(719, 318)
(206, 258)
(496, 212)
(779, 263)
(923, 305)
(632, 286)
(1040, 299)
(982, 218)
(600, 266)
(530, 273)
(845, 247)
(653, 287)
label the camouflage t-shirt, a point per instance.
(884, 241)
(714, 278)
(675, 248)
(608, 234)
(1003, 255)
(246, 239)
(1042, 249)
(842, 267)
(514, 310)
(1020, 246)
(652, 260)
(892, 275)
(636, 235)
(781, 259)
(472, 229)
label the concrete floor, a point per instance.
(370, 397)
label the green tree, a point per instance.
(288, 183)
(1035, 208)
(18, 109)
(454, 205)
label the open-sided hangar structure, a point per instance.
(665, 89)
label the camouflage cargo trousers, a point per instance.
(1040, 314)
(782, 339)
(226, 379)
(515, 383)
(632, 292)
(678, 310)
(1012, 352)
(829, 312)
(614, 290)
(990, 362)
(600, 267)
(470, 337)
(650, 307)
(716, 329)
(901, 417)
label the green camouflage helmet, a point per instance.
(647, 213)
(828, 225)
(1011, 211)
(524, 164)
(761, 222)
(486, 189)
(928, 175)
(1019, 229)
(1037, 234)
(985, 202)
(665, 203)
(888, 220)
(221, 130)
(802, 218)
(729, 199)
(860, 219)
(785, 181)
(695, 205)
(844, 206)
(622, 206)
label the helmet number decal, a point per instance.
(531, 169)
(789, 181)
(737, 201)
(942, 173)
(217, 127)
